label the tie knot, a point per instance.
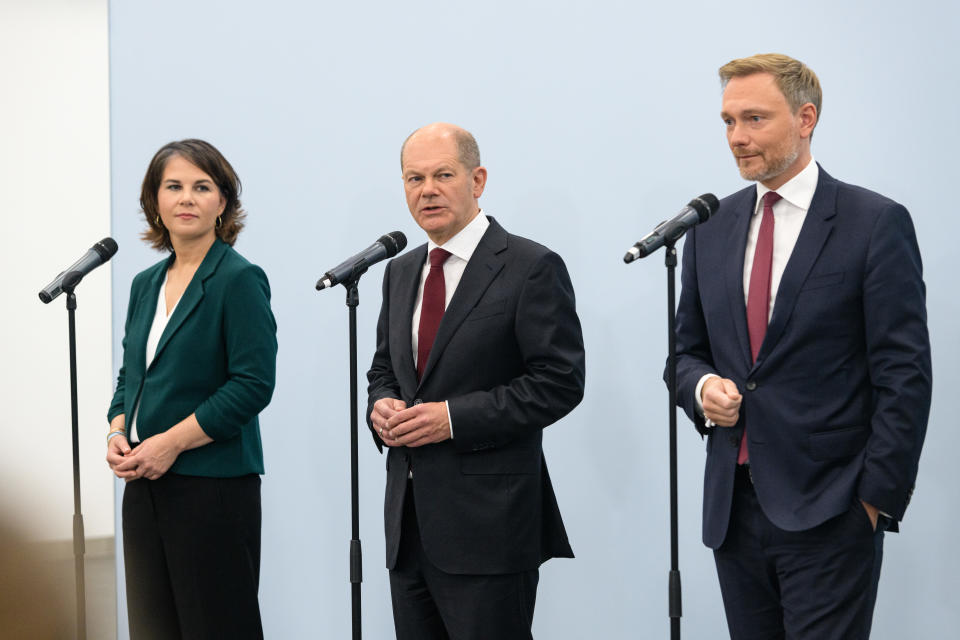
(438, 256)
(770, 198)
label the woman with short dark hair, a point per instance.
(199, 361)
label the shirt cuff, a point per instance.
(446, 403)
(699, 403)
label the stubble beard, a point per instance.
(773, 167)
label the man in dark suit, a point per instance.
(804, 358)
(478, 349)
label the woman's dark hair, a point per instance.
(205, 156)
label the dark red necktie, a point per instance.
(758, 297)
(431, 308)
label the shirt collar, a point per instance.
(465, 242)
(798, 191)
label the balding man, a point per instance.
(478, 349)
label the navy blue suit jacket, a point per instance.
(836, 404)
(508, 358)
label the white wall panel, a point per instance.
(54, 204)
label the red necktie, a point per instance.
(758, 297)
(431, 308)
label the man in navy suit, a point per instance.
(804, 358)
(478, 349)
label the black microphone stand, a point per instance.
(667, 234)
(356, 553)
(70, 281)
(675, 606)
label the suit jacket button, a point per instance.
(751, 385)
(735, 441)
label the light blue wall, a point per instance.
(596, 121)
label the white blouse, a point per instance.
(160, 320)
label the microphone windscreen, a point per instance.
(395, 242)
(712, 203)
(106, 248)
(705, 206)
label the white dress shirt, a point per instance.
(788, 214)
(461, 248)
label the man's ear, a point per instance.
(808, 119)
(479, 181)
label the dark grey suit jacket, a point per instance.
(508, 357)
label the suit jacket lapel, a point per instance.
(817, 227)
(484, 265)
(405, 284)
(144, 320)
(742, 209)
(192, 295)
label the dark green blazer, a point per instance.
(216, 358)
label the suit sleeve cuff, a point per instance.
(698, 402)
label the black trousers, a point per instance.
(429, 604)
(818, 584)
(191, 546)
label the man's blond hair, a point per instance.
(798, 83)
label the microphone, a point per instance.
(93, 258)
(385, 247)
(697, 211)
